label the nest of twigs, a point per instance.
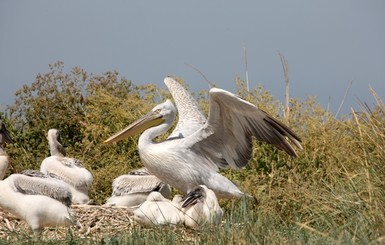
(92, 221)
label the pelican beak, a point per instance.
(149, 120)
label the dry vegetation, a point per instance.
(332, 193)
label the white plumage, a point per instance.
(34, 197)
(195, 151)
(158, 210)
(133, 189)
(67, 169)
(26, 197)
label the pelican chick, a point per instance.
(196, 151)
(67, 169)
(39, 201)
(200, 207)
(32, 196)
(133, 189)
(158, 210)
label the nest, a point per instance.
(92, 221)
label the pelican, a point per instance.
(69, 170)
(33, 200)
(158, 210)
(4, 159)
(132, 189)
(39, 200)
(201, 206)
(198, 147)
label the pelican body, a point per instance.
(198, 147)
(67, 169)
(133, 189)
(158, 210)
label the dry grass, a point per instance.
(93, 222)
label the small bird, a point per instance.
(67, 169)
(158, 210)
(133, 189)
(200, 206)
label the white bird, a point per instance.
(194, 153)
(36, 198)
(158, 210)
(67, 169)
(33, 200)
(133, 189)
(200, 207)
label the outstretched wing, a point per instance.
(226, 138)
(190, 117)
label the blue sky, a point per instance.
(327, 43)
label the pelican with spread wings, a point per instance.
(198, 147)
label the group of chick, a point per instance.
(44, 197)
(152, 205)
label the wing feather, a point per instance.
(46, 186)
(129, 184)
(227, 136)
(190, 117)
(68, 170)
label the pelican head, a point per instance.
(56, 149)
(162, 114)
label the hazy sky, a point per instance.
(327, 43)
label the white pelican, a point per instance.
(67, 169)
(195, 153)
(4, 159)
(36, 200)
(158, 210)
(132, 189)
(40, 201)
(201, 206)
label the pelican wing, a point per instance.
(129, 184)
(226, 138)
(43, 186)
(67, 170)
(190, 116)
(140, 171)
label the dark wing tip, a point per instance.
(193, 197)
(284, 134)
